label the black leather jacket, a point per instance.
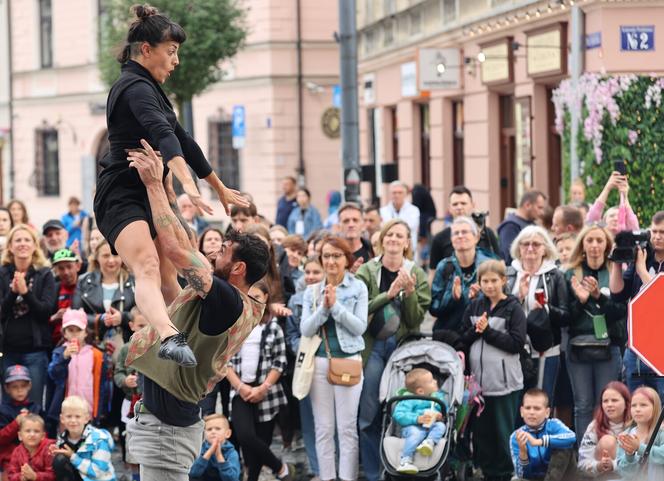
(556, 286)
(90, 296)
(40, 300)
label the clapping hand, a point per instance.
(473, 290)
(524, 286)
(329, 296)
(605, 463)
(592, 286)
(408, 281)
(482, 323)
(214, 445)
(456, 288)
(112, 317)
(580, 291)
(630, 443)
(18, 285)
(27, 473)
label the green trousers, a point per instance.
(491, 435)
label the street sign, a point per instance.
(637, 38)
(336, 96)
(645, 326)
(238, 127)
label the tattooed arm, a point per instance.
(173, 239)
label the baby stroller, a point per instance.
(447, 368)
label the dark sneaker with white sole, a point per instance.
(174, 348)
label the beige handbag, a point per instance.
(342, 371)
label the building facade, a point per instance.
(284, 79)
(459, 91)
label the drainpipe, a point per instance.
(300, 107)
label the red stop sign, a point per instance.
(646, 329)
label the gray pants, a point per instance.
(164, 452)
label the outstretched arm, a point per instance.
(173, 239)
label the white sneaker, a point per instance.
(425, 448)
(407, 467)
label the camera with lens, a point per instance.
(480, 219)
(626, 244)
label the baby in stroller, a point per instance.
(421, 420)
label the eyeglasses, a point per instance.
(461, 233)
(533, 244)
(332, 255)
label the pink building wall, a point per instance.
(262, 77)
(481, 103)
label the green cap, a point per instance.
(64, 255)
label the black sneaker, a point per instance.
(175, 348)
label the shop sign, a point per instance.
(409, 79)
(593, 40)
(497, 64)
(637, 38)
(439, 68)
(547, 51)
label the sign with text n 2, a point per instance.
(637, 38)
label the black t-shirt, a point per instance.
(386, 278)
(219, 310)
(365, 252)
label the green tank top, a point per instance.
(191, 384)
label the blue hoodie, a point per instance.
(407, 411)
(210, 469)
(554, 434)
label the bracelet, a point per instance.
(267, 383)
(239, 386)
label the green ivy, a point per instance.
(644, 159)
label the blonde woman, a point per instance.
(106, 294)
(27, 290)
(593, 315)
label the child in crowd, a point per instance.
(543, 447)
(82, 452)
(126, 379)
(645, 410)
(599, 447)
(76, 367)
(494, 330)
(32, 460)
(15, 405)
(219, 460)
(565, 245)
(421, 420)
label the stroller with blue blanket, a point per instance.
(447, 368)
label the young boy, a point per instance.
(543, 447)
(32, 460)
(15, 405)
(219, 460)
(82, 452)
(421, 421)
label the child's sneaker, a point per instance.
(425, 448)
(407, 467)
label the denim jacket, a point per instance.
(349, 312)
(311, 219)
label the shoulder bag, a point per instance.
(342, 371)
(305, 359)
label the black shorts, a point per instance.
(120, 199)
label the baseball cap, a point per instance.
(64, 255)
(17, 373)
(52, 224)
(75, 317)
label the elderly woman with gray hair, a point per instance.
(455, 281)
(536, 281)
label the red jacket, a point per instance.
(41, 462)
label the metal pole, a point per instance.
(300, 100)
(349, 115)
(576, 66)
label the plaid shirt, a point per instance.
(272, 356)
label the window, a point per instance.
(47, 162)
(45, 33)
(449, 11)
(388, 33)
(224, 158)
(416, 22)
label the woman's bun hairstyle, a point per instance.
(149, 26)
(144, 11)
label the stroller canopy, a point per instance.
(437, 354)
